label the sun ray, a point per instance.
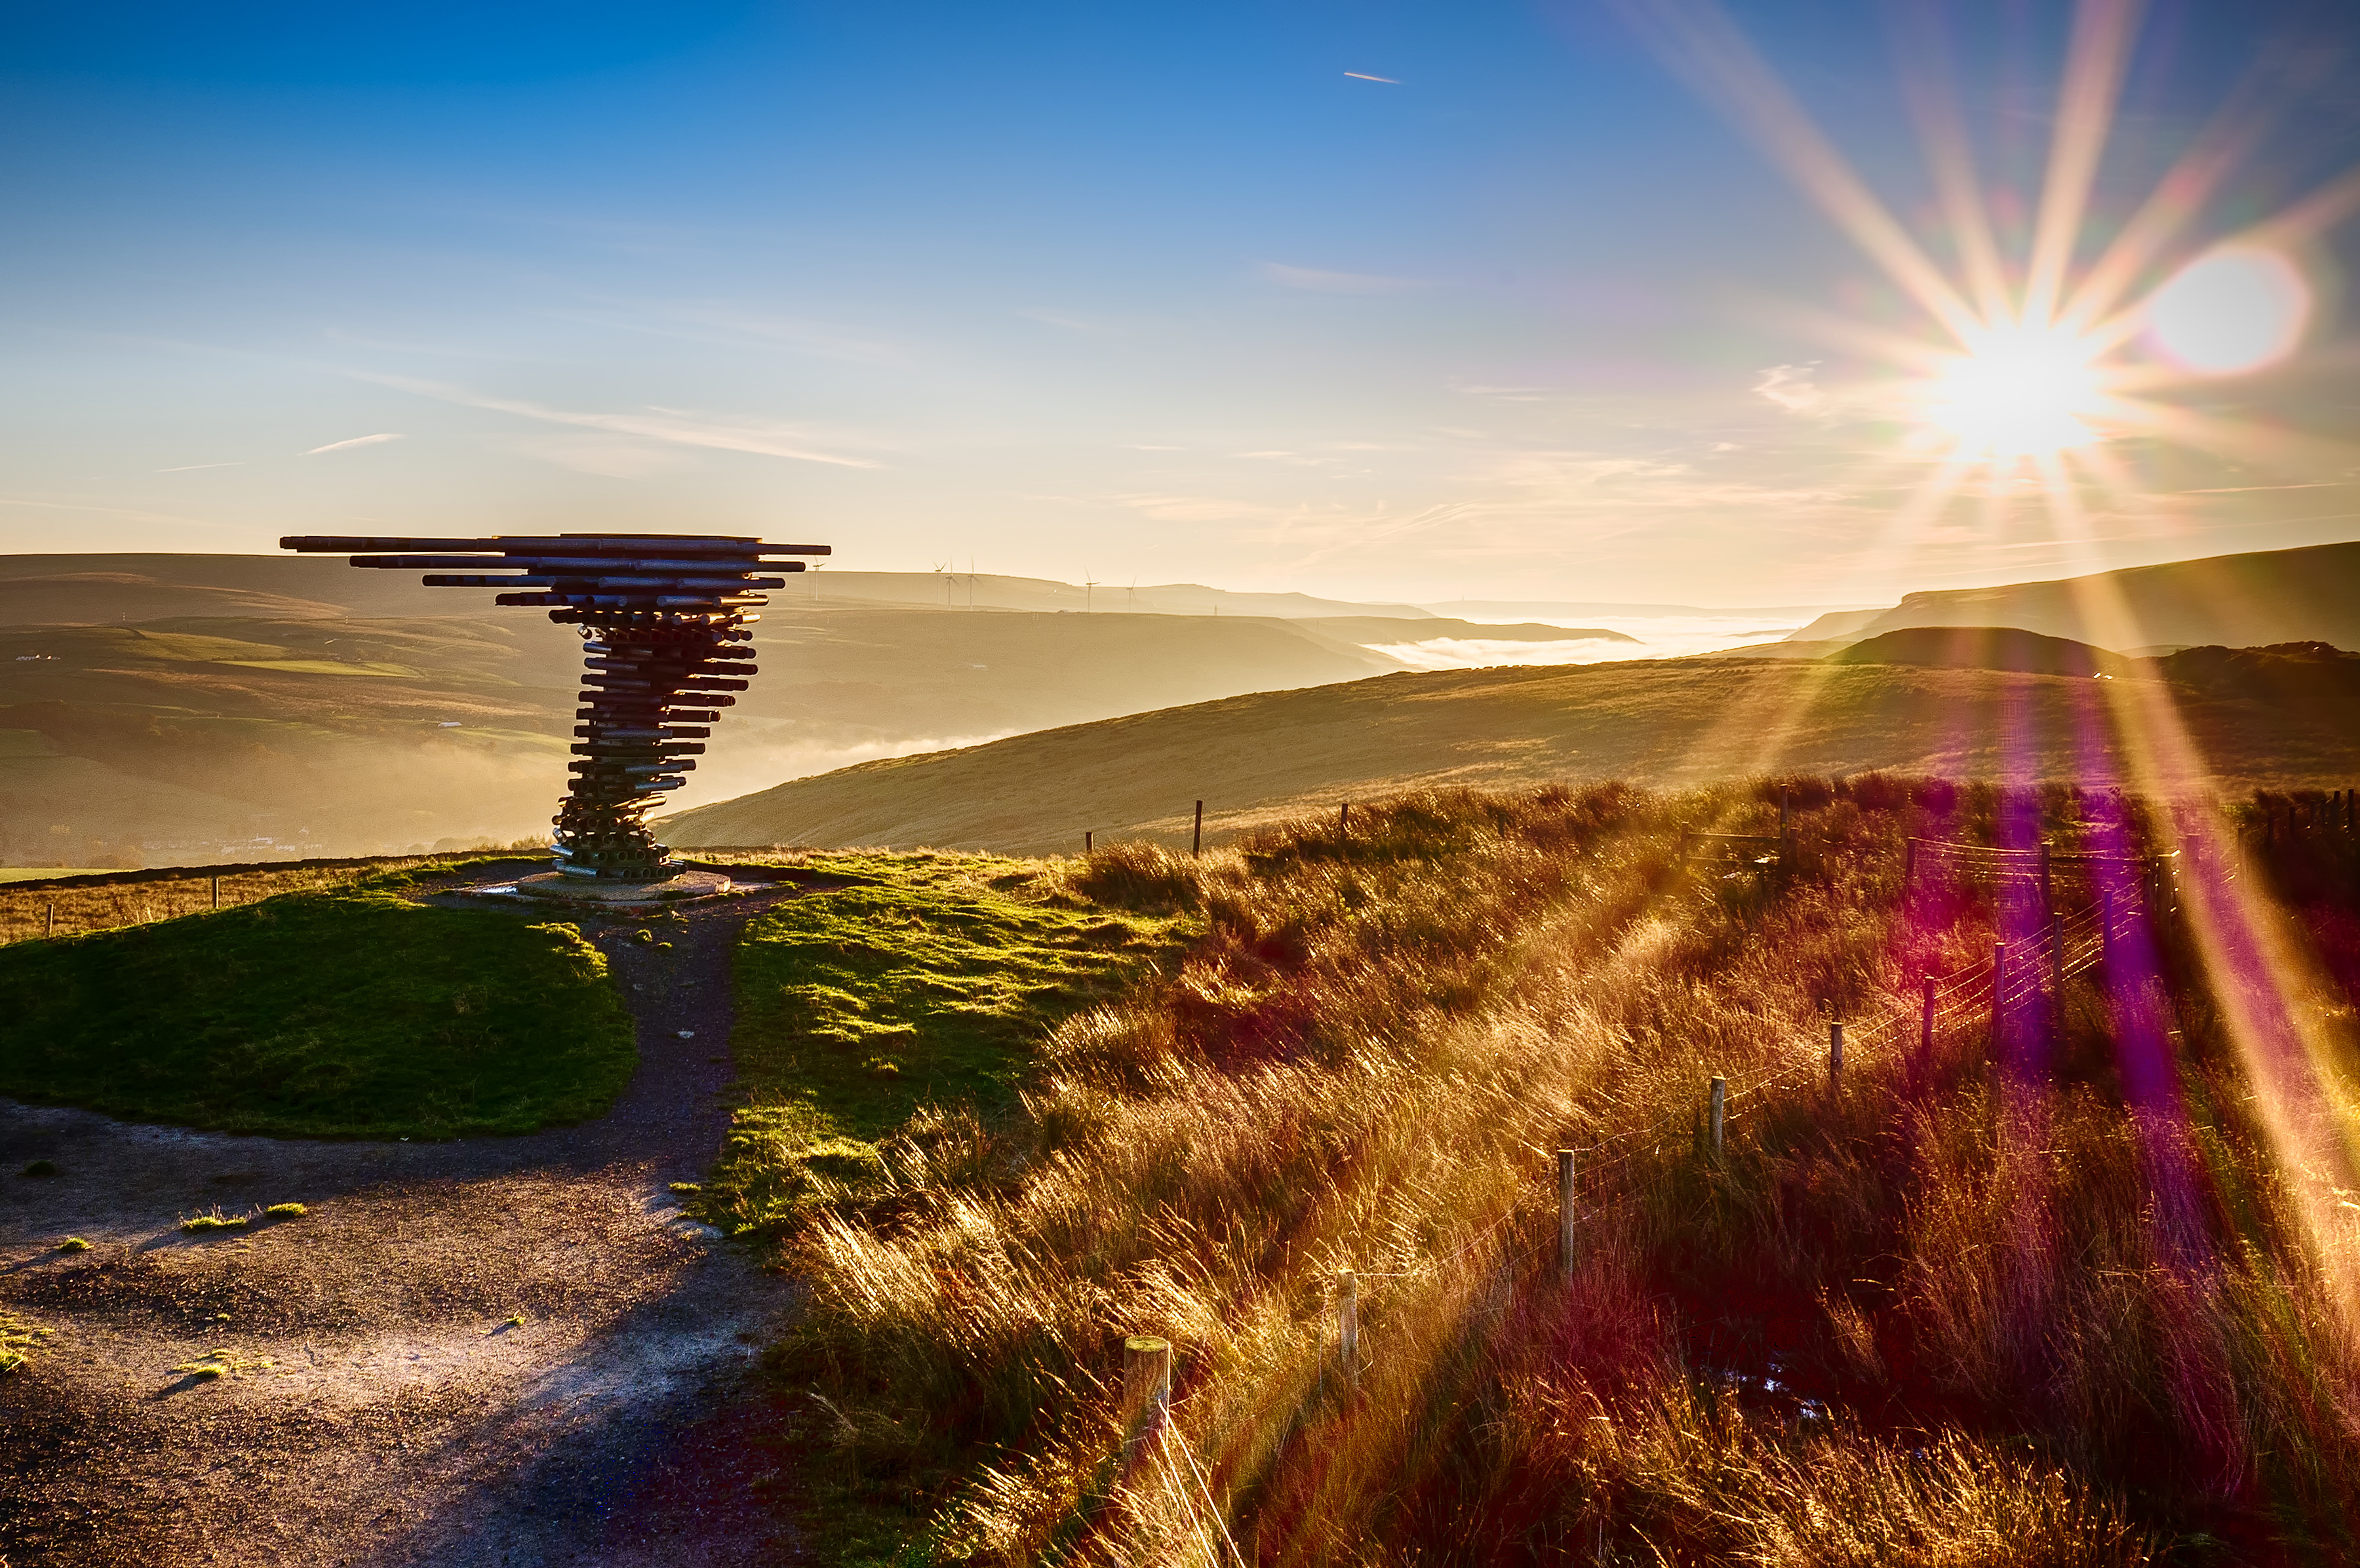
(2100, 49)
(2178, 200)
(1700, 42)
(1942, 134)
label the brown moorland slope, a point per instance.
(1258, 758)
(2260, 596)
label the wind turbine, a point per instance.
(1089, 587)
(1131, 604)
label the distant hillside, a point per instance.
(1984, 647)
(99, 588)
(1836, 624)
(1568, 609)
(1665, 722)
(2311, 594)
(991, 590)
(188, 706)
(1377, 630)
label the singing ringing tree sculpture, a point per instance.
(664, 620)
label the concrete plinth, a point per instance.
(558, 888)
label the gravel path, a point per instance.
(379, 1405)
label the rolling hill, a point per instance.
(1256, 759)
(2311, 594)
(166, 708)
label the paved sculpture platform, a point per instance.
(607, 894)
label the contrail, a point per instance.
(357, 441)
(1364, 76)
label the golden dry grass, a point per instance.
(1978, 1308)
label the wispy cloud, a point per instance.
(193, 467)
(678, 428)
(717, 321)
(1320, 281)
(1505, 394)
(357, 441)
(1790, 387)
(1364, 76)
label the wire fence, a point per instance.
(1945, 1013)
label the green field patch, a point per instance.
(345, 1014)
(197, 648)
(901, 981)
(322, 667)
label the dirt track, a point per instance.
(380, 1407)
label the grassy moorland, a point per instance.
(342, 1013)
(905, 995)
(33, 903)
(2049, 1294)
(1263, 760)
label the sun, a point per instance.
(2019, 391)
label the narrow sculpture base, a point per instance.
(558, 888)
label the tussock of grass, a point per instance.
(903, 982)
(285, 1212)
(216, 1221)
(73, 1244)
(40, 1167)
(348, 1014)
(1965, 1311)
(18, 1340)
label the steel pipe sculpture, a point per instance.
(663, 621)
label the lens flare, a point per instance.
(2019, 392)
(2234, 309)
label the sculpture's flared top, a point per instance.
(663, 619)
(585, 576)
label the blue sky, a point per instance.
(1156, 294)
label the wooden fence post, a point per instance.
(1925, 1029)
(2057, 974)
(216, 892)
(1146, 1395)
(1344, 819)
(1719, 1115)
(1999, 991)
(1564, 1237)
(49, 920)
(1197, 843)
(1089, 845)
(1785, 794)
(1347, 1326)
(1835, 1058)
(1908, 863)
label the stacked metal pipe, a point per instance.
(664, 620)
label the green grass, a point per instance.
(18, 1342)
(892, 1012)
(216, 1221)
(344, 1014)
